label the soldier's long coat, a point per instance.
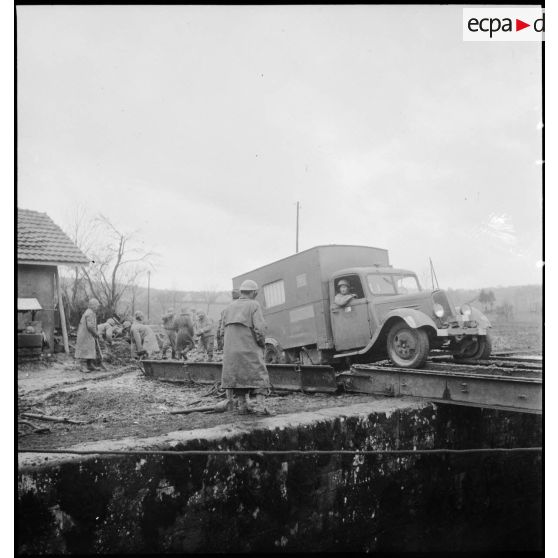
(143, 338)
(85, 343)
(185, 332)
(243, 363)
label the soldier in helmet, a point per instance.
(244, 369)
(205, 330)
(344, 297)
(185, 333)
(87, 333)
(171, 330)
(110, 330)
(144, 341)
(220, 335)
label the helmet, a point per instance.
(138, 315)
(248, 285)
(343, 282)
(235, 294)
(126, 324)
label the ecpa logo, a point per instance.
(503, 24)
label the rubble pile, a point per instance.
(118, 353)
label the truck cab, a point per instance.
(388, 313)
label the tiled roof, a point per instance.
(40, 239)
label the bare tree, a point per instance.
(118, 260)
(117, 264)
(82, 230)
(209, 297)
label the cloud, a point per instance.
(500, 229)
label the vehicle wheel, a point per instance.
(480, 349)
(407, 347)
(273, 354)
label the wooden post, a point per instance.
(62, 315)
(297, 212)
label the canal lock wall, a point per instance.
(72, 504)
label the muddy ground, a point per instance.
(121, 402)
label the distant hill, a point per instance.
(212, 302)
(526, 300)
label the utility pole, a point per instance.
(148, 292)
(297, 214)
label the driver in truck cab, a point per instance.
(343, 297)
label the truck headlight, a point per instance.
(466, 311)
(438, 310)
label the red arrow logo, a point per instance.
(519, 25)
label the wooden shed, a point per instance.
(42, 246)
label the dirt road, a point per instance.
(122, 402)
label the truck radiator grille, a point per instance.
(441, 298)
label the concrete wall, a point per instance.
(488, 502)
(38, 281)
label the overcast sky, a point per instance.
(203, 125)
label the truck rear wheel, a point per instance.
(407, 347)
(273, 354)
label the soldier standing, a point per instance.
(184, 333)
(220, 337)
(244, 369)
(87, 334)
(170, 328)
(205, 329)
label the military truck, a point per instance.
(391, 315)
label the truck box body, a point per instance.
(294, 291)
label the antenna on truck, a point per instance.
(433, 274)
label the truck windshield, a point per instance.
(406, 284)
(388, 284)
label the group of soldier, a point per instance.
(240, 335)
(184, 328)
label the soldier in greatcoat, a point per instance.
(244, 369)
(143, 338)
(87, 334)
(185, 333)
(220, 335)
(171, 331)
(204, 329)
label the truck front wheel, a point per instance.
(479, 349)
(407, 347)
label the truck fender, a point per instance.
(480, 318)
(413, 318)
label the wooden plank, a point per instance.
(62, 314)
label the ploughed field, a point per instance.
(517, 336)
(121, 402)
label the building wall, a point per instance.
(38, 281)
